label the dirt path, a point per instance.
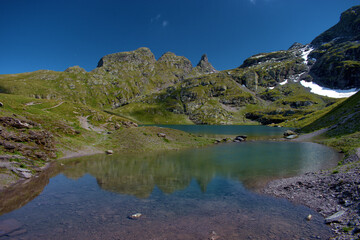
(309, 136)
(53, 106)
(84, 123)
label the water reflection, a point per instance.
(182, 195)
(252, 163)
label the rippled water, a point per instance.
(194, 194)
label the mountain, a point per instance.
(337, 53)
(268, 88)
(117, 79)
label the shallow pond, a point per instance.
(199, 193)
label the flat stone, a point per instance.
(291, 137)
(23, 170)
(25, 174)
(9, 225)
(335, 217)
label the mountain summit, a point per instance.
(204, 66)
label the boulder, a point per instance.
(109, 152)
(161, 135)
(289, 133)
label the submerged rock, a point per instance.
(8, 226)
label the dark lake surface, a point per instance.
(201, 193)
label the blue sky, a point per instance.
(54, 35)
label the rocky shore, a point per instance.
(334, 193)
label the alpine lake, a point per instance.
(200, 193)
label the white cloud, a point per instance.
(165, 23)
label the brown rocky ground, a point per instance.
(335, 194)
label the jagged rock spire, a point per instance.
(204, 66)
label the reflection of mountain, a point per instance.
(138, 174)
(20, 194)
(252, 163)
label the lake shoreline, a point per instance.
(327, 192)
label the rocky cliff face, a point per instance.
(347, 29)
(337, 53)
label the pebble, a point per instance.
(135, 216)
(309, 217)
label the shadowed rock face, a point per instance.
(337, 53)
(347, 29)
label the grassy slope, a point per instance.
(58, 117)
(102, 131)
(343, 121)
(147, 113)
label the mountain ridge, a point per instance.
(266, 88)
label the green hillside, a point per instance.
(343, 124)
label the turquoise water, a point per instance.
(232, 130)
(192, 194)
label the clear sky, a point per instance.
(56, 34)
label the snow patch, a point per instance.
(305, 53)
(334, 93)
(258, 56)
(284, 82)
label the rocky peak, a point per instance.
(296, 46)
(348, 28)
(204, 66)
(141, 56)
(75, 69)
(170, 60)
